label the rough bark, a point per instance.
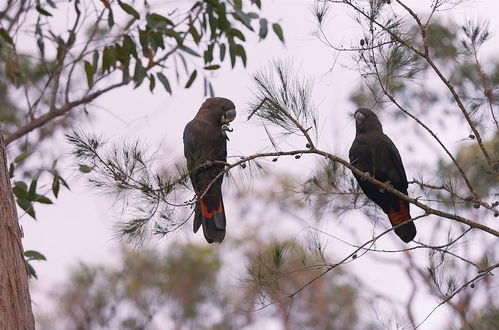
(15, 300)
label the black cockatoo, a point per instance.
(205, 140)
(373, 152)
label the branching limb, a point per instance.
(481, 275)
(367, 177)
(423, 54)
(56, 78)
(430, 131)
(351, 256)
(47, 117)
(82, 53)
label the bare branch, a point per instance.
(365, 176)
(62, 56)
(493, 166)
(45, 118)
(478, 277)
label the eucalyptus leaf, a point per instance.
(191, 79)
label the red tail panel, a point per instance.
(220, 207)
(207, 214)
(398, 216)
(204, 210)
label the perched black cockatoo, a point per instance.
(205, 141)
(373, 152)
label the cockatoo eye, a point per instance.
(228, 116)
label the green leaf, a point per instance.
(263, 28)
(213, 25)
(31, 270)
(222, 52)
(232, 54)
(122, 54)
(108, 59)
(190, 51)
(129, 10)
(95, 60)
(278, 31)
(5, 35)
(204, 23)
(64, 183)
(27, 206)
(195, 34)
(253, 15)
(51, 3)
(139, 74)
(238, 4)
(243, 18)
(239, 49)
(43, 200)
(174, 34)
(56, 186)
(129, 45)
(154, 19)
(208, 53)
(125, 73)
(85, 168)
(157, 40)
(152, 82)
(89, 71)
(34, 255)
(258, 3)
(166, 84)
(129, 24)
(42, 11)
(12, 168)
(110, 19)
(41, 46)
(223, 22)
(32, 189)
(238, 34)
(191, 79)
(22, 157)
(20, 189)
(212, 67)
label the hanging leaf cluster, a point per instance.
(210, 30)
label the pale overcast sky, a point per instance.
(78, 227)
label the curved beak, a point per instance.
(227, 117)
(359, 116)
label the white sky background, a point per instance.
(78, 227)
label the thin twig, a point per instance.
(45, 118)
(478, 277)
(56, 78)
(494, 167)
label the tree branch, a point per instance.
(45, 118)
(364, 176)
(494, 166)
(478, 277)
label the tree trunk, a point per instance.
(15, 301)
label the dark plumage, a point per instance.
(373, 152)
(205, 140)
